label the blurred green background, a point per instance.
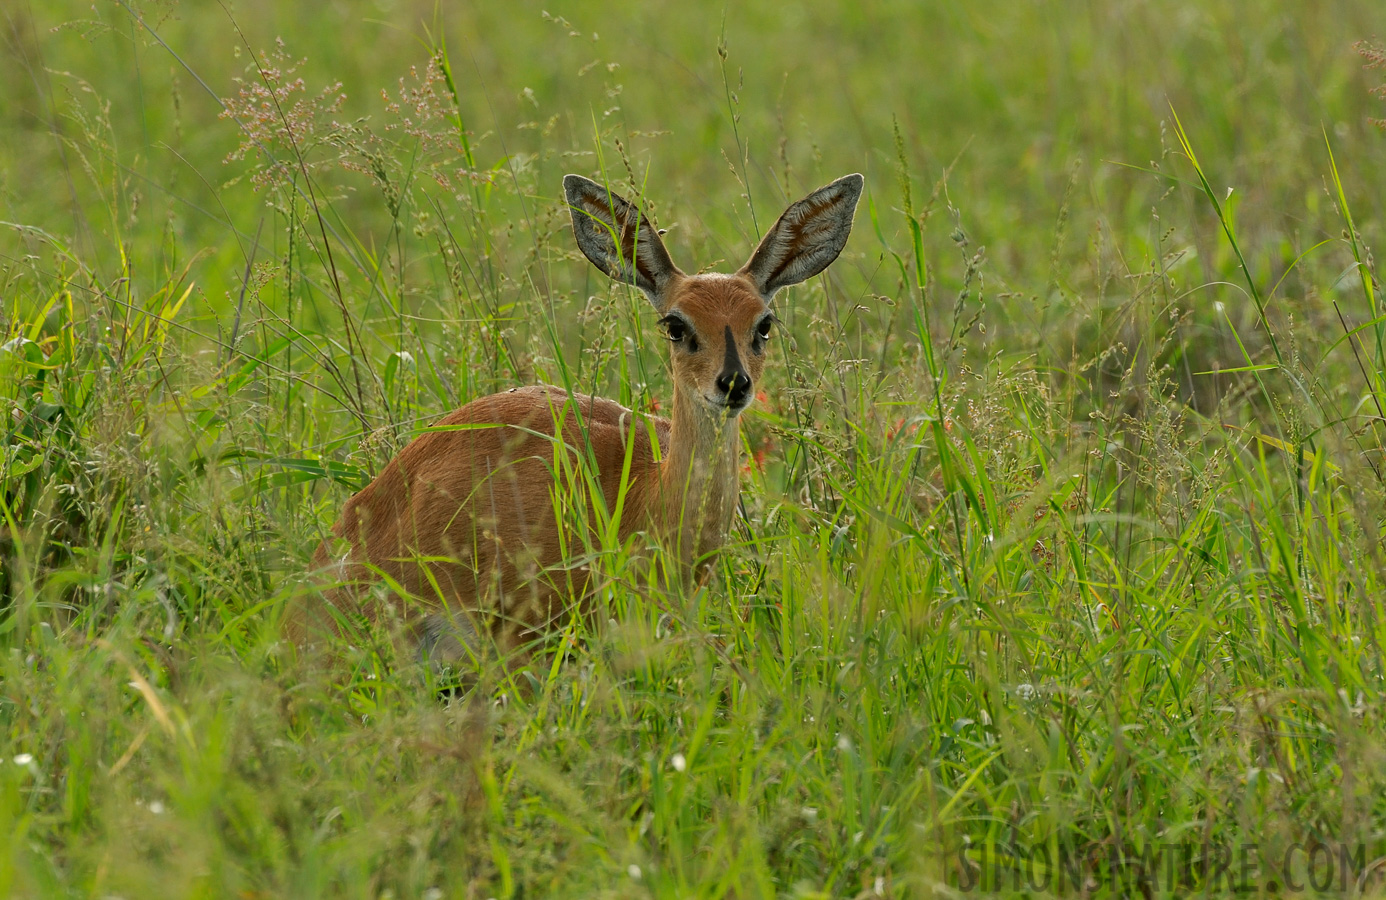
(1034, 105)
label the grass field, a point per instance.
(1063, 550)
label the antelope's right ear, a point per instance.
(620, 241)
(809, 236)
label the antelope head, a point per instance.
(718, 324)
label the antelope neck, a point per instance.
(699, 477)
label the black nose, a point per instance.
(736, 385)
(733, 382)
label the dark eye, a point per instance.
(762, 335)
(678, 331)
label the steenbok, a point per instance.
(471, 525)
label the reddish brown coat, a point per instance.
(485, 519)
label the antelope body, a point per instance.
(467, 519)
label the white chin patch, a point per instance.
(718, 405)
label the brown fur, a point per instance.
(460, 515)
(464, 521)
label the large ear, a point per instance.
(618, 239)
(808, 237)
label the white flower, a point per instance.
(633, 871)
(678, 762)
(24, 759)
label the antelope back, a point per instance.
(479, 513)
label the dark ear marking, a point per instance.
(806, 238)
(618, 238)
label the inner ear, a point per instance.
(806, 238)
(619, 239)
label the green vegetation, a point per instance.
(1065, 507)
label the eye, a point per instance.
(679, 332)
(762, 334)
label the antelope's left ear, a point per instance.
(808, 237)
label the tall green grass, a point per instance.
(1063, 510)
